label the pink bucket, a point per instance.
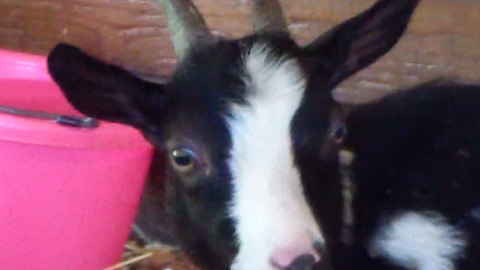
(68, 195)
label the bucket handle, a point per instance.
(64, 120)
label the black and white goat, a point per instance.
(253, 139)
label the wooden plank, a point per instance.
(443, 39)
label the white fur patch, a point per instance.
(419, 241)
(268, 204)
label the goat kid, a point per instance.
(252, 138)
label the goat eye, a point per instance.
(339, 133)
(183, 159)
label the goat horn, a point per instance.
(186, 25)
(268, 17)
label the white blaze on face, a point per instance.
(270, 210)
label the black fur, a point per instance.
(425, 157)
(417, 150)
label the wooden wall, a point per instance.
(443, 39)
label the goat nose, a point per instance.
(302, 262)
(295, 261)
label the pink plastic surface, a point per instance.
(68, 195)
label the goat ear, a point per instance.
(104, 91)
(360, 41)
